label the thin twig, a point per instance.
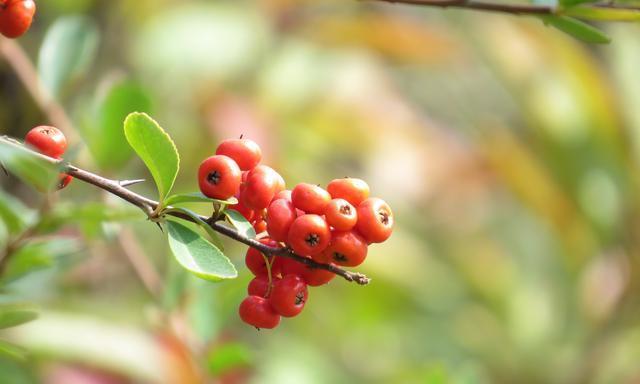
(149, 207)
(515, 9)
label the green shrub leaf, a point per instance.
(577, 29)
(240, 223)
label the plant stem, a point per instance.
(514, 9)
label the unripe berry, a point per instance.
(219, 177)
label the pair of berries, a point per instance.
(49, 141)
(16, 16)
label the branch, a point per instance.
(149, 206)
(514, 9)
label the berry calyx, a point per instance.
(355, 191)
(16, 17)
(280, 216)
(49, 141)
(375, 220)
(341, 215)
(289, 295)
(246, 153)
(346, 248)
(256, 311)
(310, 198)
(219, 177)
(309, 235)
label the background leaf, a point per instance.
(577, 29)
(37, 255)
(67, 51)
(155, 148)
(13, 317)
(603, 14)
(240, 223)
(103, 131)
(11, 350)
(13, 213)
(197, 255)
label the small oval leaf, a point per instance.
(155, 148)
(196, 197)
(213, 235)
(197, 255)
(240, 223)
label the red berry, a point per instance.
(259, 285)
(16, 17)
(289, 295)
(314, 277)
(309, 235)
(375, 220)
(219, 177)
(284, 194)
(255, 261)
(246, 153)
(256, 311)
(341, 215)
(260, 187)
(354, 191)
(64, 180)
(259, 226)
(346, 248)
(280, 216)
(310, 198)
(49, 141)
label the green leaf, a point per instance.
(577, 29)
(103, 131)
(196, 197)
(240, 223)
(15, 215)
(197, 255)
(213, 235)
(11, 318)
(569, 3)
(37, 255)
(68, 49)
(155, 148)
(229, 356)
(603, 14)
(29, 167)
(12, 350)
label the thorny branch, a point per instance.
(149, 206)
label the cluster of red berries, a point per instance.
(332, 226)
(49, 141)
(16, 16)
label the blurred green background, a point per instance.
(508, 151)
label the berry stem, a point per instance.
(149, 206)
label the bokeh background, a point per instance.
(508, 151)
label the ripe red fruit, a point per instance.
(354, 191)
(314, 277)
(256, 263)
(280, 216)
(16, 17)
(246, 153)
(341, 215)
(219, 177)
(259, 226)
(64, 180)
(375, 220)
(346, 248)
(256, 311)
(309, 235)
(260, 187)
(259, 286)
(284, 194)
(310, 198)
(289, 295)
(49, 141)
